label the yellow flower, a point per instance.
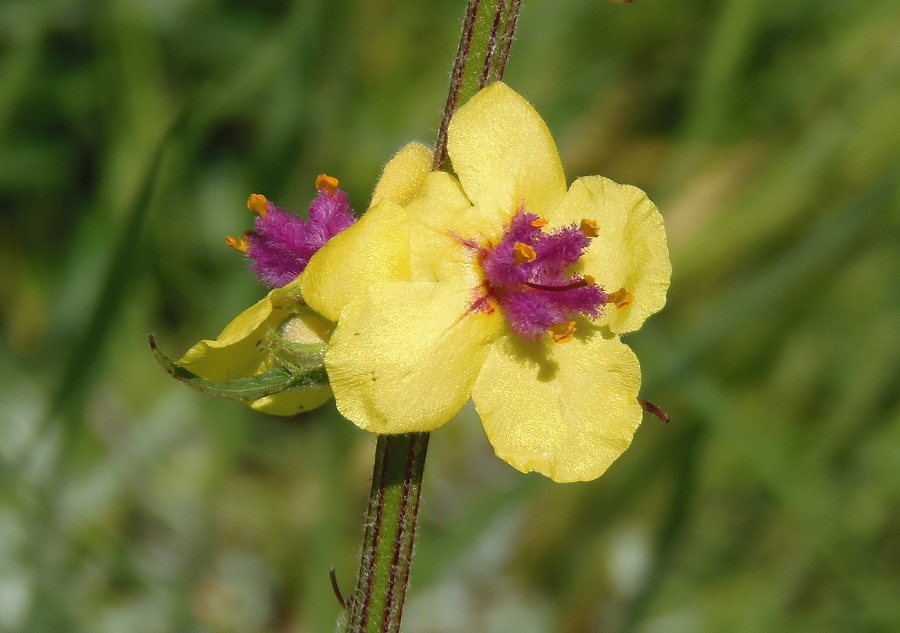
(248, 347)
(253, 343)
(501, 286)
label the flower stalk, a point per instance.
(377, 603)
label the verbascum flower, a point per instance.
(500, 285)
(280, 330)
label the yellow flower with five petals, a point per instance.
(500, 285)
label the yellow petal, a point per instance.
(435, 216)
(293, 401)
(567, 414)
(240, 351)
(376, 248)
(629, 251)
(405, 356)
(441, 217)
(504, 154)
(403, 175)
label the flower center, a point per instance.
(527, 274)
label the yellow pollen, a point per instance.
(589, 228)
(621, 297)
(539, 223)
(562, 332)
(328, 183)
(237, 243)
(258, 204)
(523, 253)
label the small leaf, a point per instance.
(244, 389)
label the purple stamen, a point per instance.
(538, 293)
(282, 243)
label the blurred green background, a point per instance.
(768, 133)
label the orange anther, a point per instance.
(237, 243)
(562, 332)
(621, 297)
(589, 280)
(539, 223)
(589, 228)
(258, 204)
(328, 183)
(523, 253)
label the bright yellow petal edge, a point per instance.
(240, 350)
(375, 248)
(630, 250)
(564, 410)
(503, 152)
(403, 176)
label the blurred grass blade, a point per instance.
(125, 261)
(243, 389)
(839, 233)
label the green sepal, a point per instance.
(250, 388)
(297, 356)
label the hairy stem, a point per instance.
(377, 604)
(480, 59)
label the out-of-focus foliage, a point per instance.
(767, 132)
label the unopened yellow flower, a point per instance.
(246, 348)
(501, 286)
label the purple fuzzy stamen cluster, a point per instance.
(531, 311)
(282, 243)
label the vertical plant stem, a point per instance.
(377, 604)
